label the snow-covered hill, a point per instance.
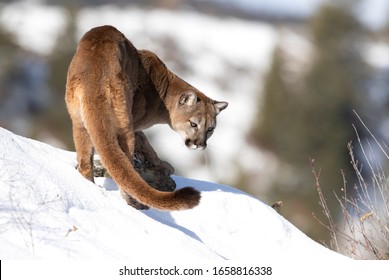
(49, 211)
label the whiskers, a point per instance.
(203, 158)
(207, 156)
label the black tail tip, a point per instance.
(188, 196)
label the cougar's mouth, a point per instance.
(195, 146)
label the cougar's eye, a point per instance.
(211, 129)
(192, 124)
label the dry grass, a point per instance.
(362, 230)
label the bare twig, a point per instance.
(331, 227)
(364, 230)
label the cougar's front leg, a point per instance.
(143, 146)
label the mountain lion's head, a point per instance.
(195, 118)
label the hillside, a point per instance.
(49, 211)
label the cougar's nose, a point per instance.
(203, 146)
(200, 144)
(194, 145)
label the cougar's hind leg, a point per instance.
(133, 202)
(127, 143)
(126, 136)
(85, 151)
(122, 104)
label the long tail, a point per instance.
(103, 136)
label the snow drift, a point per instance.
(49, 211)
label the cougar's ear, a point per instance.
(220, 106)
(188, 98)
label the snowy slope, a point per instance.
(49, 211)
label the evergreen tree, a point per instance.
(8, 49)
(57, 119)
(333, 88)
(314, 120)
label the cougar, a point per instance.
(113, 92)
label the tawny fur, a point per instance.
(112, 91)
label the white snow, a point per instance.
(49, 211)
(36, 27)
(377, 54)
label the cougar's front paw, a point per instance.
(166, 168)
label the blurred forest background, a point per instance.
(292, 74)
